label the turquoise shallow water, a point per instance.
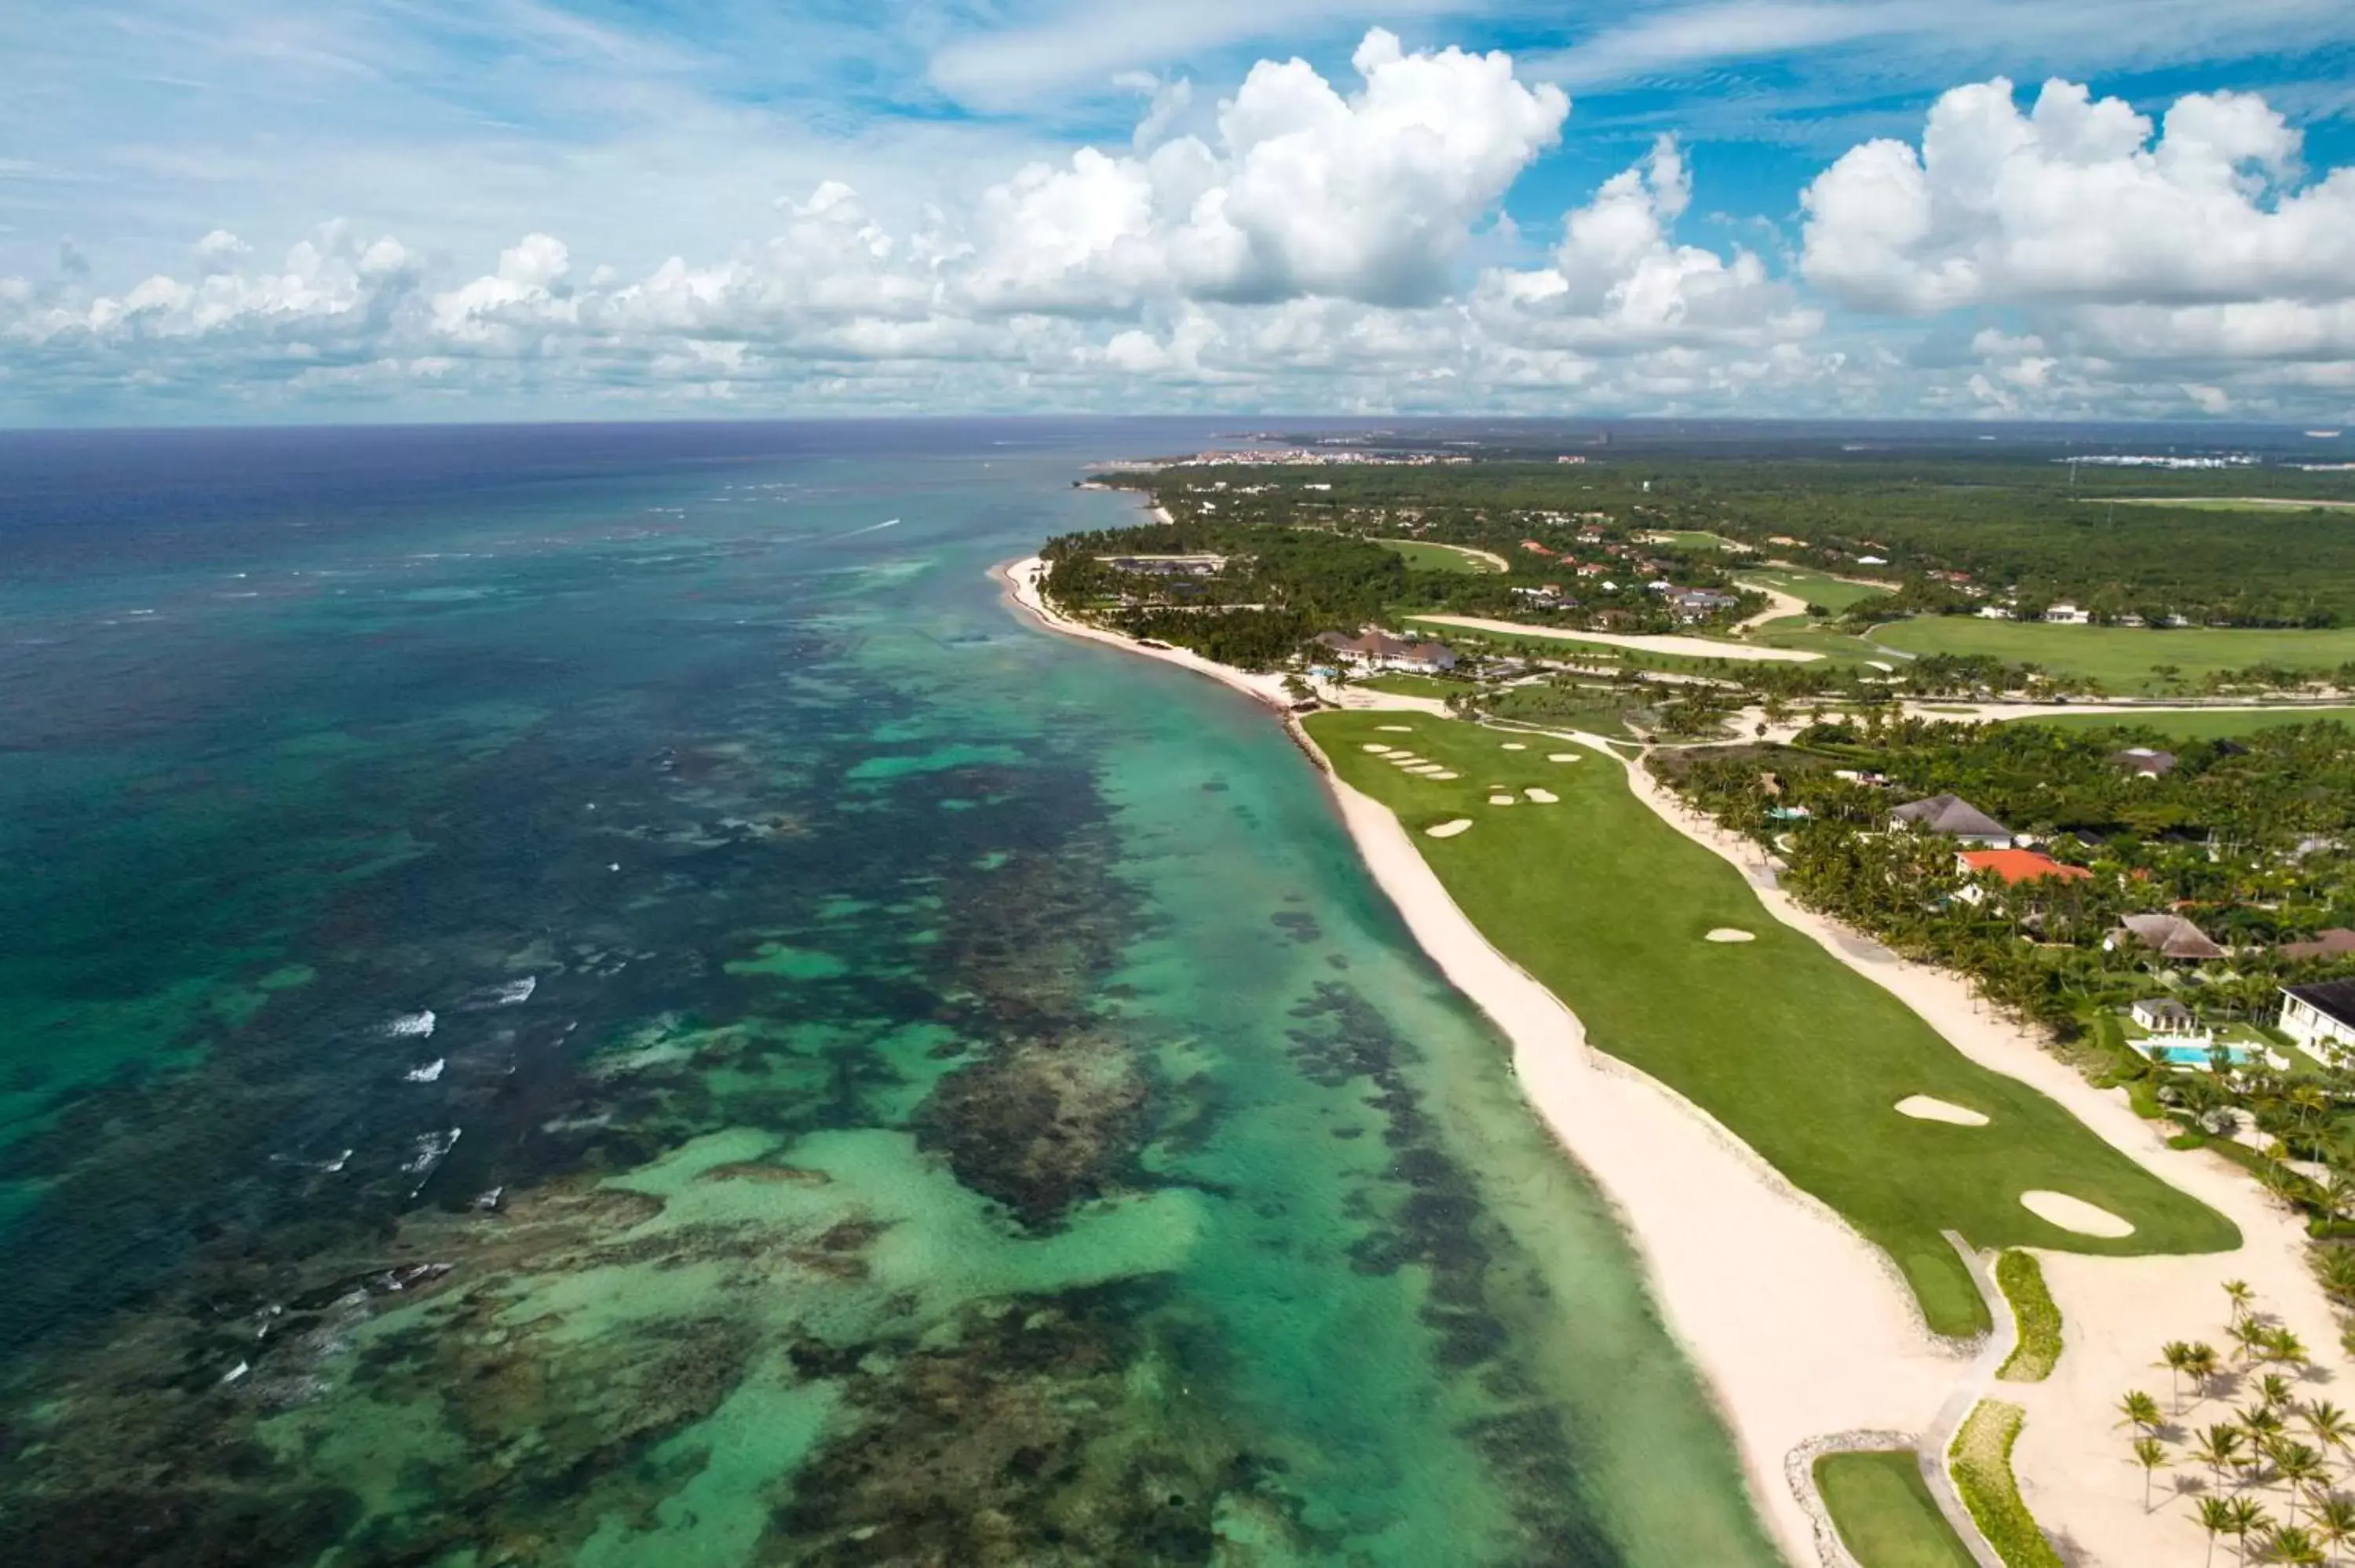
(968, 1104)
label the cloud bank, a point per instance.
(1314, 244)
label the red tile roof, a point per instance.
(2019, 865)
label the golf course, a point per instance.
(1674, 967)
(2123, 658)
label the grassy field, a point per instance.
(1886, 1516)
(1431, 557)
(2200, 726)
(1814, 588)
(1691, 539)
(1802, 1058)
(2119, 657)
(2224, 502)
(1400, 684)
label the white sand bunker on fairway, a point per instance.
(1442, 777)
(2075, 1214)
(1542, 796)
(1561, 757)
(1733, 934)
(1515, 745)
(1395, 728)
(1500, 800)
(1923, 1108)
(1449, 830)
(1378, 749)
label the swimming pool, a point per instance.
(2198, 1055)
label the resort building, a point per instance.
(2012, 867)
(1379, 650)
(2144, 763)
(2320, 1017)
(2338, 942)
(2163, 1015)
(2171, 937)
(2065, 614)
(1955, 818)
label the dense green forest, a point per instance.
(2051, 532)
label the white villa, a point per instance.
(2321, 1017)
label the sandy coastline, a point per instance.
(1802, 1329)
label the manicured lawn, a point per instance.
(2120, 657)
(1431, 557)
(1398, 683)
(1804, 1059)
(1886, 1516)
(1814, 588)
(2200, 726)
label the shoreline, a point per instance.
(1802, 1331)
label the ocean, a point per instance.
(587, 995)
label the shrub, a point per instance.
(2022, 1282)
(1981, 1461)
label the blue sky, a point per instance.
(427, 208)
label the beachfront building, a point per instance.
(2321, 1017)
(2163, 1015)
(1373, 650)
(2171, 937)
(1953, 817)
(2013, 868)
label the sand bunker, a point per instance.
(1561, 757)
(2075, 1214)
(1405, 758)
(1733, 934)
(1542, 796)
(1378, 749)
(1395, 728)
(1923, 1107)
(1428, 770)
(1515, 745)
(1442, 777)
(1449, 830)
(1500, 800)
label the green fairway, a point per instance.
(2120, 657)
(1398, 683)
(2213, 726)
(1806, 1061)
(1813, 587)
(1691, 539)
(1886, 1516)
(1431, 557)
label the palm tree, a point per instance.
(2238, 1293)
(2141, 1410)
(2203, 1365)
(2151, 1455)
(2275, 1390)
(2248, 1339)
(2283, 1345)
(2301, 1468)
(2215, 1517)
(2218, 1448)
(2329, 1424)
(2176, 1356)
(2334, 1521)
(2290, 1545)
